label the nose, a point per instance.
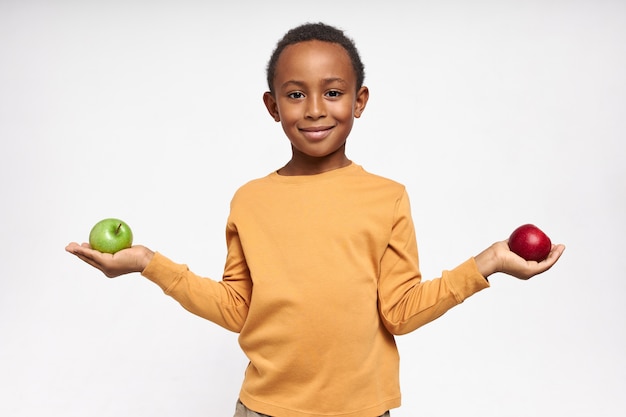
(315, 107)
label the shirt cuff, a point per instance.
(163, 272)
(465, 280)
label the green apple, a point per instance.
(110, 236)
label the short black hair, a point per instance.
(316, 32)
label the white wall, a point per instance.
(493, 113)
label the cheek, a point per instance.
(289, 114)
(344, 112)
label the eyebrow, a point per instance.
(303, 84)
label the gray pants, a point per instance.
(243, 411)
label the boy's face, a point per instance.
(316, 100)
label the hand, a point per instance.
(133, 259)
(499, 258)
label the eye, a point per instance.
(334, 93)
(296, 95)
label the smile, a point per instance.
(316, 133)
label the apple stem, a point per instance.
(117, 231)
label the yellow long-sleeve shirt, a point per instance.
(321, 272)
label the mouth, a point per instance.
(316, 132)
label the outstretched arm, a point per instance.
(406, 302)
(134, 259)
(499, 258)
(224, 303)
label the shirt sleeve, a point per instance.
(405, 301)
(223, 302)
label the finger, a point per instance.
(90, 261)
(70, 246)
(553, 256)
(88, 255)
(99, 261)
(77, 249)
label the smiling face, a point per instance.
(316, 100)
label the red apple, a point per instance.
(529, 242)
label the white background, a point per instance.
(493, 113)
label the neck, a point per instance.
(313, 166)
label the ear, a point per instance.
(271, 106)
(361, 101)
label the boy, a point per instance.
(322, 266)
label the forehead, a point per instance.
(314, 59)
